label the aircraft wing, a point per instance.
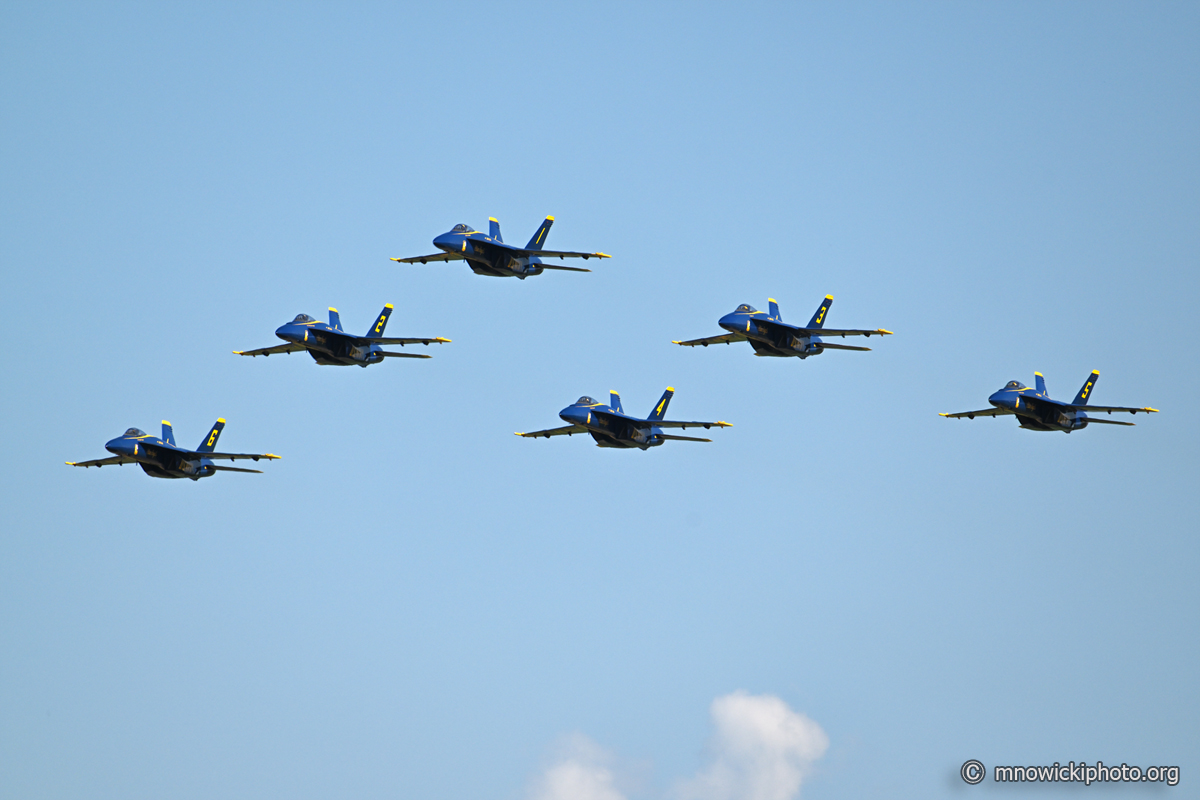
(838, 332)
(560, 254)
(987, 412)
(566, 430)
(290, 347)
(667, 423)
(434, 257)
(1111, 409)
(383, 340)
(231, 456)
(706, 341)
(103, 462)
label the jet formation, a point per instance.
(609, 426)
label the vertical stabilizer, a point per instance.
(168, 434)
(380, 323)
(774, 308)
(539, 239)
(210, 441)
(818, 320)
(494, 229)
(1040, 382)
(614, 402)
(1085, 393)
(660, 410)
(335, 319)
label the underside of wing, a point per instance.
(829, 346)
(667, 423)
(386, 340)
(403, 355)
(1111, 409)
(566, 430)
(103, 462)
(237, 469)
(290, 347)
(233, 456)
(728, 338)
(987, 412)
(559, 254)
(434, 257)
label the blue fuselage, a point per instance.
(488, 256)
(776, 339)
(160, 459)
(1037, 412)
(328, 345)
(612, 428)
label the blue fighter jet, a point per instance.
(610, 426)
(487, 254)
(161, 458)
(329, 344)
(770, 336)
(1035, 411)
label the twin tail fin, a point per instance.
(539, 238)
(660, 410)
(1085, 393)
(210, 441)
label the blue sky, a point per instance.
(416, 603)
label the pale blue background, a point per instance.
(416, 603)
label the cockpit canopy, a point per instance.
(461, 228)
(586, 401)
(135, 432)
(1014, 385)
(303, 318)
(745, 309)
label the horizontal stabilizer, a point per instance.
(829, 346)
(564, 269)
(1109, 421)
(674, 438)
(236, 469)
(403, 355)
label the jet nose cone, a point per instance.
(118, 446)
(573, 414)
(445, 242)
(729, 321)
(1002, 399)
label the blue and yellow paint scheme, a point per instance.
(330, 345)
(1035, 411)
(162, 458)
(487, 254)
(769, 335)
(610, 426)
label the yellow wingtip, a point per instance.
(885, 332)
(722, 424)
(440, 339)
(271, 455)
(676, 341)
(1148, 408)
(237, 352)
(395, 259)
(69, 463)
(603, 255)
(940, 414)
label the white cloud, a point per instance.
(761, 750)
(582, 772)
